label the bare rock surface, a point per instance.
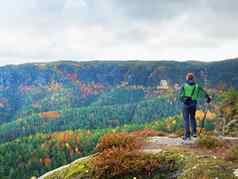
(170, 141)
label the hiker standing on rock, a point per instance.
(189, 94)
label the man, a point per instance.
(189, 94)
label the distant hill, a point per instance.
(24, 85)
(34, 96)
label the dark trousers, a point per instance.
(189, 112)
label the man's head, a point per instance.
(190, 77)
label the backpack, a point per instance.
(189, 91)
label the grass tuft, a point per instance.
(209, 142)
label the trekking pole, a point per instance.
(202, 126)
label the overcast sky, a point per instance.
(49, 30)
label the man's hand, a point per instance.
(209, 99)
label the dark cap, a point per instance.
(189, 77)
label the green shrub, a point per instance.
(209, 142)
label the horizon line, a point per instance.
(116, 60)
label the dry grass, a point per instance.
(119, 140)
(209, 142)
(232, 154)
(120, 156)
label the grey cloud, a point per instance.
(227, 8)
(102, 28)
(153, 9)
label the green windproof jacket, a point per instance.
(192, 90)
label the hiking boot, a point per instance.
(194, 138)
(186, 140)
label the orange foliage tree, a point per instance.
(200, 115)
(65, 137)
(46, 161)
(49, 115)
(54, 87)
